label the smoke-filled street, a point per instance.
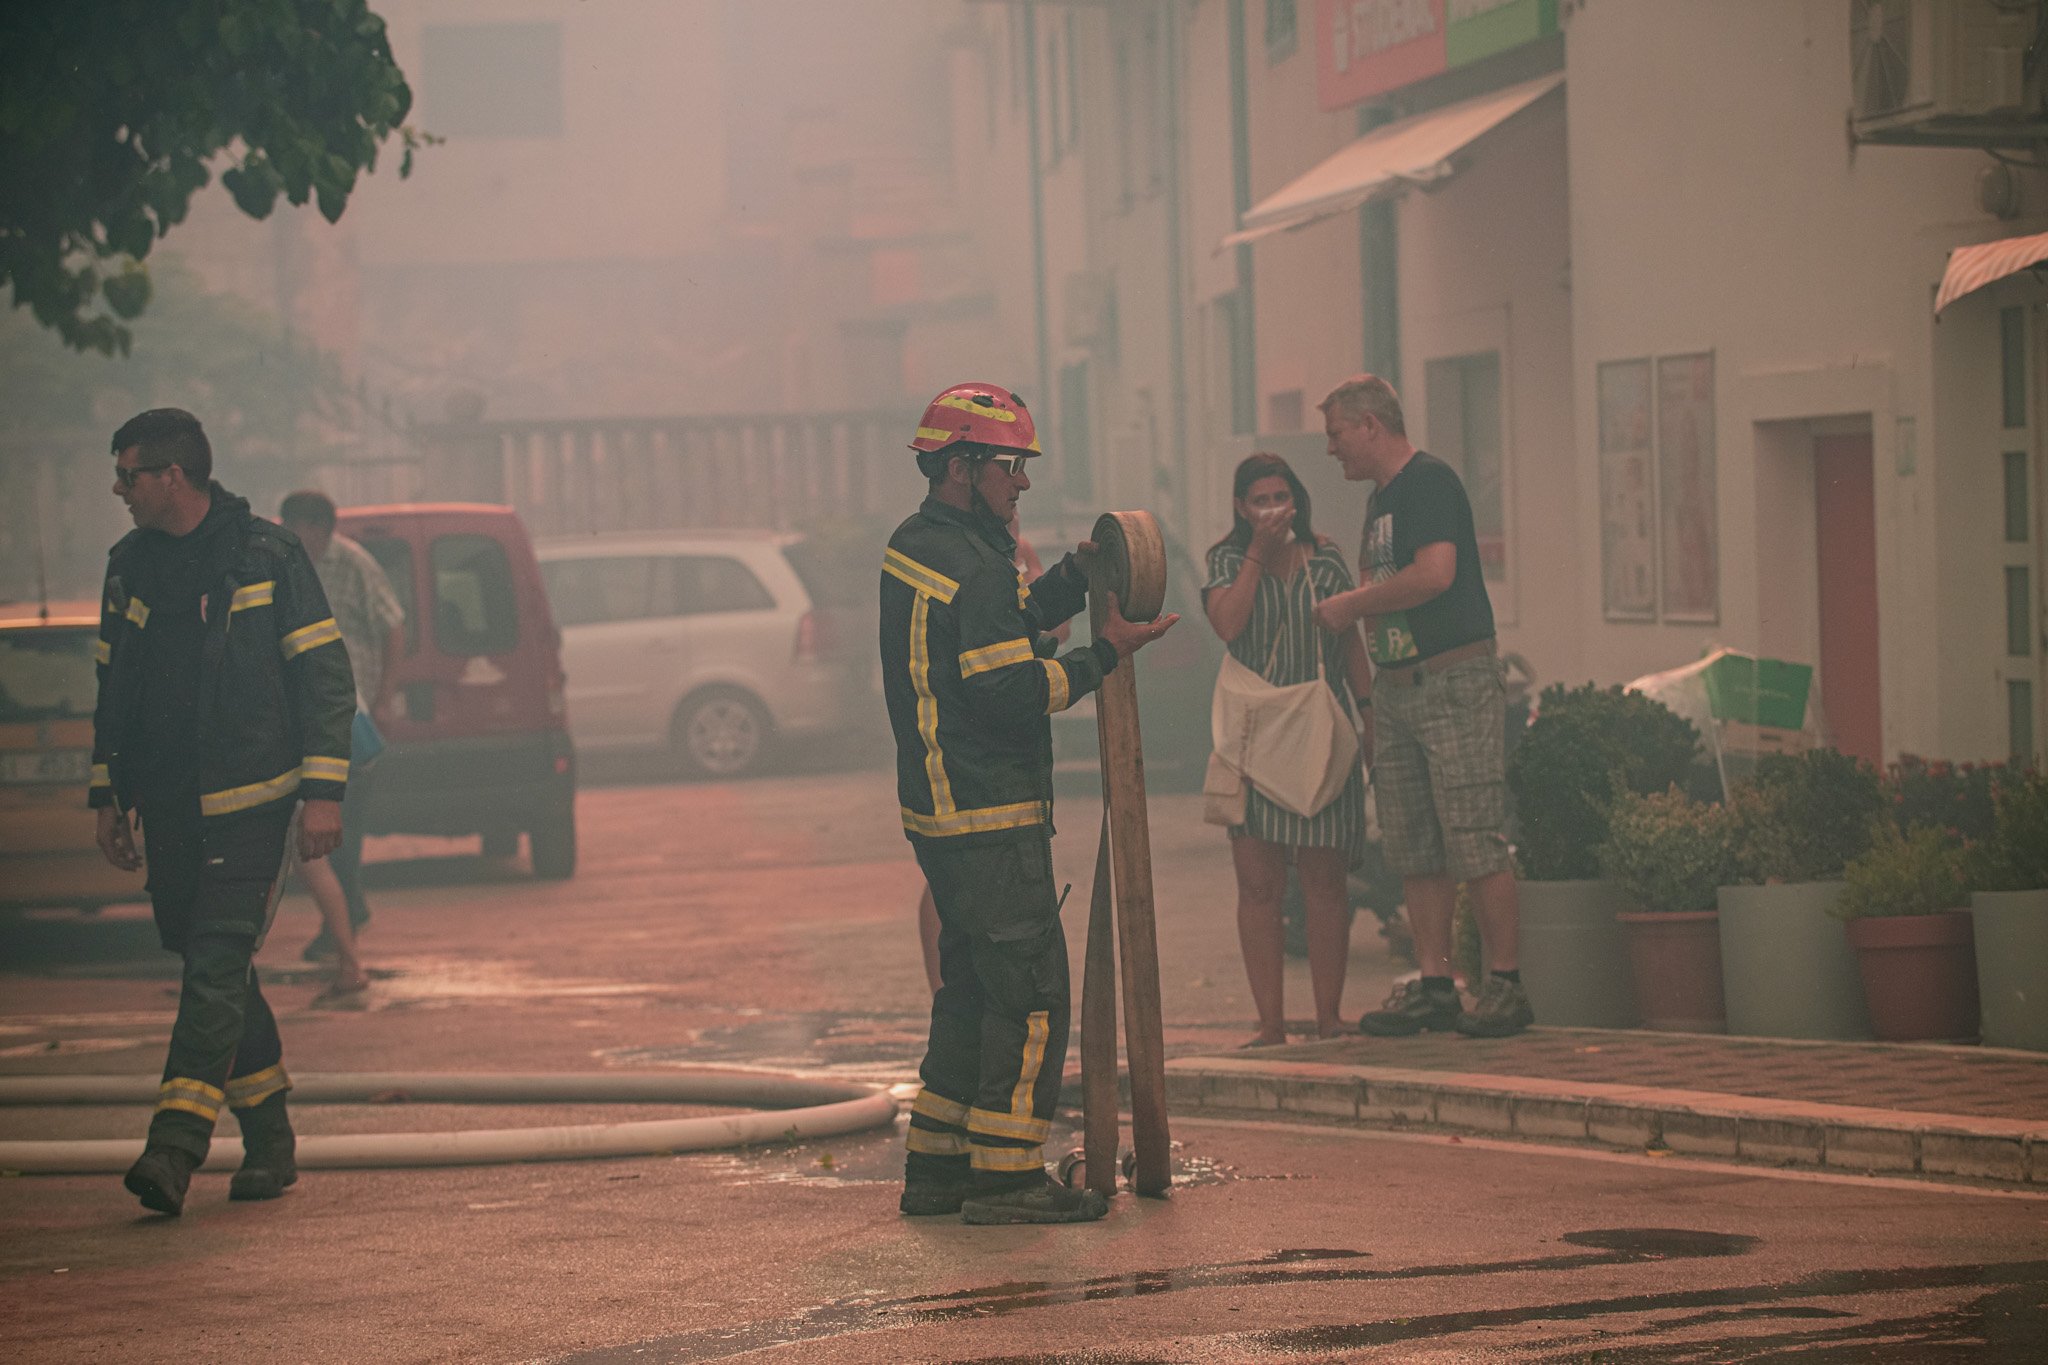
(780, 936)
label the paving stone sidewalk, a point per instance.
(1941, 1111)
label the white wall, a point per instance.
(1717, 205)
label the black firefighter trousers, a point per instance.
(209, 885)
(998, 1045)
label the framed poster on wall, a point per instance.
(1689, 576)
(1628, 529)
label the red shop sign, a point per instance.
(1365, 47)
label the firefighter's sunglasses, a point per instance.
(1013, 465)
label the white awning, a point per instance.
(1970, 268)
(1411, 151)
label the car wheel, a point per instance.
(720, 734)
(554, 844)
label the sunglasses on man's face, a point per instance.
(1013, 465)
(127, 477)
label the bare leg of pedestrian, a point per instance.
(1499, 920)
(1328, 909)
(928, 935)
(325, 888)
(1432, 910)
(1261, 883)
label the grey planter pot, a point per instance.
(2012, 967)
(1787, 969)
(1575, 954)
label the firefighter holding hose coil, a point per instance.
(971, 680)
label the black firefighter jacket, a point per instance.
(277, 698)
(969, 674)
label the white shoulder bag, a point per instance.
(1297, 744)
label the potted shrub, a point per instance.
(2009, 914)
(1786, 965)
(1914, 949)
(1669, 854)
(1586, 745)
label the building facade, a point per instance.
(1636, 273)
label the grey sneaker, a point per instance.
(1046, 1202)
(1411, 1009)
(1501, 1010)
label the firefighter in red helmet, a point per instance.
(971, 680)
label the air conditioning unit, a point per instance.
(1949, 73)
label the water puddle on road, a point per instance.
(869, 1047)
(1999, 1317)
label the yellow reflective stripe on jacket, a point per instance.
(246, 798)
(1056, 698)
(926, 581)
(246, 1092)
(323, 769)
(980, 821)
(254, 595)
(100, 776)
(138, 612)
(927, 703)
(102, 652)
(991, 657)
(310, 637)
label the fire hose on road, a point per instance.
(1130, 561)
(784, 1108)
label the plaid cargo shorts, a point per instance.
(1439, 770)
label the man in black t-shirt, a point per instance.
(1437, 743)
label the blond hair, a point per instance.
(1364, 394)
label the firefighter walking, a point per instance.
(971, 680)
(225, 700)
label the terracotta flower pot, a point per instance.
(1676, 959)
(1919, 975)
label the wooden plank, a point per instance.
(1099, 1105)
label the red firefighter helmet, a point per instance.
(986, 414)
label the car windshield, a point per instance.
(46, 673)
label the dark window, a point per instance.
(588, 592)
(2019, 721)
(394, 557)
(492, 80)
(46, 673)
(2019, 615)
(475, 608)
(2012, 363)
(703, 585)
(2016, 497)
(1281, 32)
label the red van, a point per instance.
(481, 742)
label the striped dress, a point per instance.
(1285, 609)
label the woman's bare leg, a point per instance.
(1329, 931)
(1261, 882)
(325, 888)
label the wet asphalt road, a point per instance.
(768, 924)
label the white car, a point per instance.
(707, 643)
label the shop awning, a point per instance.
(1970, 268)
(1410, 151)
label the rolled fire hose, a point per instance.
(1130, 561)
(798, 1109)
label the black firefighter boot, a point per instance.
(159, 1178)
(269, 1151)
